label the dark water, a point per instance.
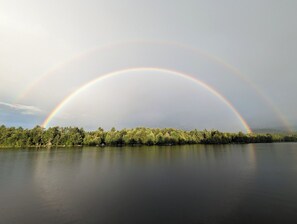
(181, 184)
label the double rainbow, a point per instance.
(213, 58)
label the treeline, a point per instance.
(73, 136)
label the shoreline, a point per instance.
(38, 137)
(123, 146)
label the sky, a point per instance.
(241, 53)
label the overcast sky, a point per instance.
(245, 50)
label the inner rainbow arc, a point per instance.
(209, 88)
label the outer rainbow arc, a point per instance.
(60, 65)
(213, 58)
(238, 73)
(138, 69)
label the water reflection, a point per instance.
(188, 184)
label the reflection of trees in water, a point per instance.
(55, 171)
(201, 182)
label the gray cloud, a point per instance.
(256, 37)
(24, 109)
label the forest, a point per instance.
(74, 136)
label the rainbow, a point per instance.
(213, 58)
(139, 69)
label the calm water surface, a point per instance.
(180, 184)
